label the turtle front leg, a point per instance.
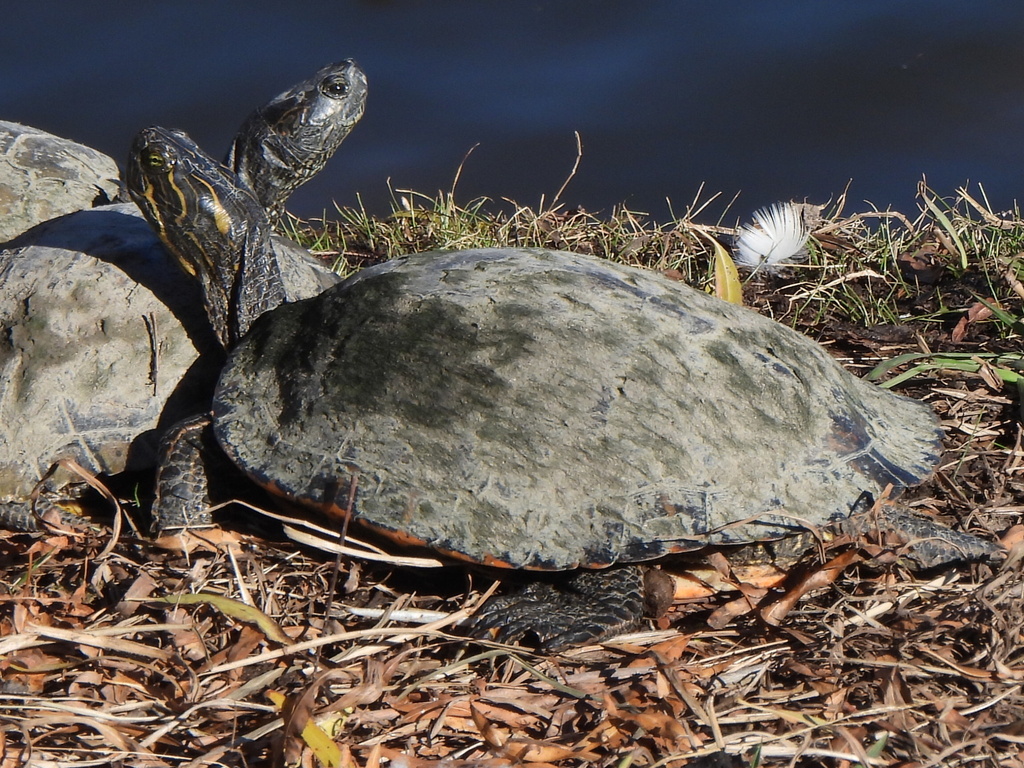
(583, 607)
(182, 495)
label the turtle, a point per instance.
(542, 411)
(144, 355)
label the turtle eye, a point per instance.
(153, 160)
(335, 87)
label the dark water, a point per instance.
(775, 100)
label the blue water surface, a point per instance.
(771, 100)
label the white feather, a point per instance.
(778, 235)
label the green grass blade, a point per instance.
(946, 225)
(1012, 323)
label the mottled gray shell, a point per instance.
(540, 409)
(101, 331)
(44, 176)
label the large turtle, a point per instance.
(106, 342)
(543, 410)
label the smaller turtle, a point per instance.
(143, 355)
(539, 410)
(286, 142)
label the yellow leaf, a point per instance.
(235, 609)
(322, 746)
(727, 278)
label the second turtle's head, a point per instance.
(335, 95)
(183, 193)
(211, 225)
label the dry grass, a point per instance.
(879, 668)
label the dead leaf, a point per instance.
(142, 587)
(88, 642)
(775, 613)
(233, 608)
(924, 266)
(199, 540)
(1013, 537)
(975, 313)
(724, 615)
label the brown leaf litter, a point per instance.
(236, 653)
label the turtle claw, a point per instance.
(583, 607)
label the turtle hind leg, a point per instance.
(582, 607)
(193, 475)
(926, 543)
(19, 516)
(25, 516)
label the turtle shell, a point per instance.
(100, 345)
(546, 410)
(43, 176)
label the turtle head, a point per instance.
(334, 98)
(285, 143)
(215, 230)
(170, 178)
